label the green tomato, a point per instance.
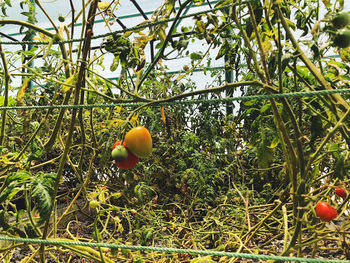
(93, 204)
(119, 153)
(342, 40)
(341, 20)
(61, 18)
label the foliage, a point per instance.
(233, 179)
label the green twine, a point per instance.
(170, 250)
(150, 24)
(185, 102)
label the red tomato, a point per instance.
(130, 161)
(139, 141)
(325, 212)
(340, 192)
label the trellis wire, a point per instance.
(171, 250)
(159, 22)
(185, 102)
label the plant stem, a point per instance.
(80, 80)
(47, 15)
(336, 98)
(257, 35)
(28, 25)
(326, 139)
(161, 51)
(6, 94)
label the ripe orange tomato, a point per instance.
(325, 212)
(139, 141)
(130, 161)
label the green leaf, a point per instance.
(36, 152)
(115, 63)
(26, 13)
(316, 128)
(339, 171)
(286, 58)
(19, 215)
(195, 56)
(20, 176)
(264, 152)
(223, 50)
(97, 235)
(265, 155)
(201, 26)
(30, 231)
(265, 107)
(42, 193)
(250, 102)
(138, 193)
(8, 2)
(3, 10)
(4, 220)
(9, 189)
(182, 44)
(291, 24)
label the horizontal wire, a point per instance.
(171, 250)
(159, 22)
(185, 102)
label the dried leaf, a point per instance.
(327, 3)
(103, 5)
(274, 142)
(22, 91)
(68, 84)
(162, 113)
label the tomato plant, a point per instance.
(139, 141)
(130, 161)
(325, 212)
(340, 192)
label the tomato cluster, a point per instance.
(137, 144)
(326, 212)
(129, 161)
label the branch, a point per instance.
(28, 25)
(336, 98)
(161, 51)
(7, 82)
(81, 75)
